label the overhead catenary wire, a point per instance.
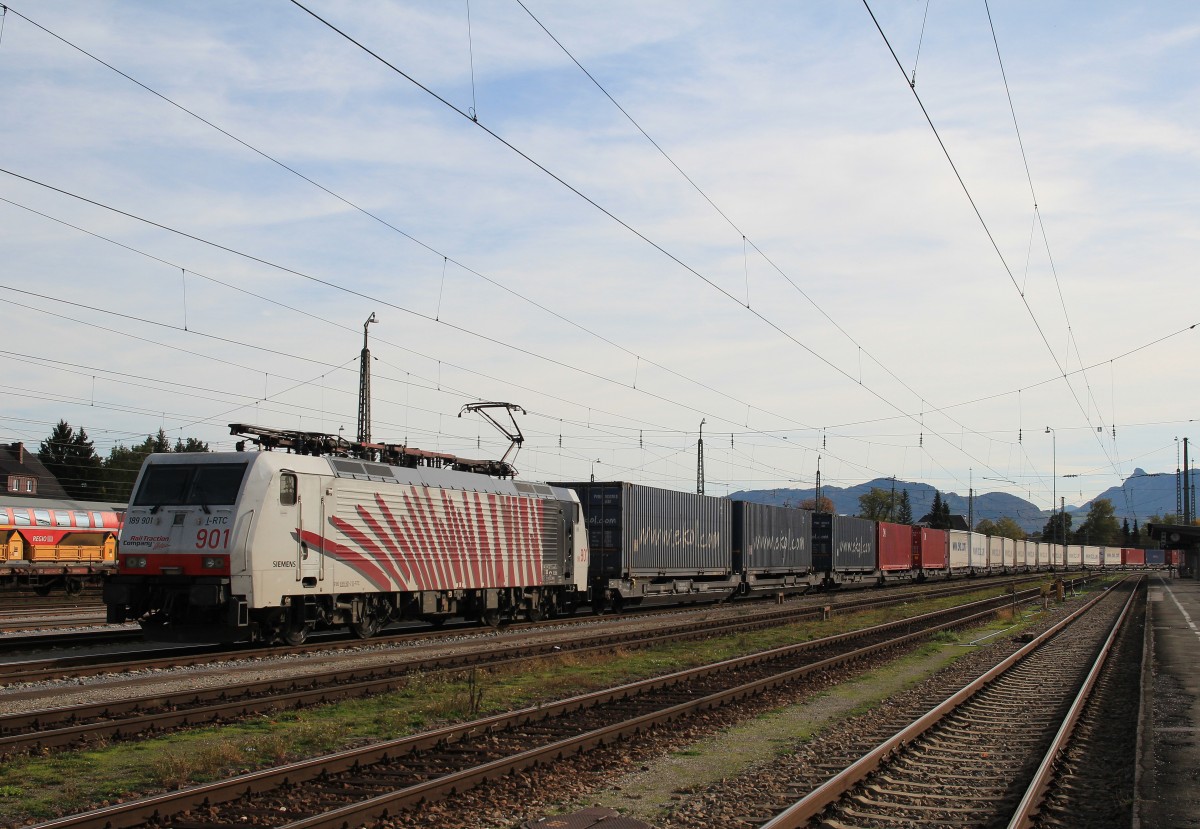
(983, 222)
(737, 229)
(636, 364)
(166, 325)
(589, 200)
(385, 223)
(637, 357)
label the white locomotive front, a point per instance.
(270, 546)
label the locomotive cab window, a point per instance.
(287, 489)
(185, 484)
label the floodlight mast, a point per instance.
(514, 435)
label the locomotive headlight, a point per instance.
(135, 561)
(213, 563)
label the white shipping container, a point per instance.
(979, 552)
(959, 545)
(995, 545)
(1091, 556)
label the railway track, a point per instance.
(172, 656)
(356, 787)
(155, 713)
(989, 754)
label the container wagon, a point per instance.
(930, 553)
(651, 545)
(978, 547)
(894, 545)
(843, 548)
(1110, 557)
(1074, 554)
(51, 544)
(1132, 557)
(959, 551)
(772, 548)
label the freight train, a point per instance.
(48, 544)
(271, 545)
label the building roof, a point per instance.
(957, 522)
(16, 459)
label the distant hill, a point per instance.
(1142, 495)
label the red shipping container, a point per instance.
(1174, 558)
(1133, 558)
(932, 548)
(894, 542)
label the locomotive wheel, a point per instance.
(367, 626)
(295, 635)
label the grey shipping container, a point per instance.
(842, 543)
(641, 531)
(770, 539)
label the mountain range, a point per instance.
(1140, 496)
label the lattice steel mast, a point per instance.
(364, 387)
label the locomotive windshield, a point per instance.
(174, 485)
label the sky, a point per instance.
(635, 221)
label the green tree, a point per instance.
(877, 505)
(123, 463)
(1009, 528)
(71, 457)
(986, 527)
(1057, 528)
(190, 445)
(1100, 527)
(817, 505)
(904, 509)
(939, 513)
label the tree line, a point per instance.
(71, 457)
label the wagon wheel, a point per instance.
(491, 617)
(72, 586)
(535, 613)
(42, 589)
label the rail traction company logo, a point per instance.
(144, 540)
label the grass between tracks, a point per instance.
(68, 782)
